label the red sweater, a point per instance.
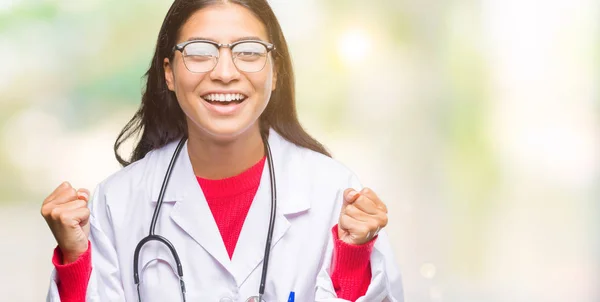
(229, 200)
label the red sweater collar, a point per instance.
(235, 185)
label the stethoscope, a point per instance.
(153, 237)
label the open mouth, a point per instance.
(224, 99)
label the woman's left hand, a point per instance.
(363, 215)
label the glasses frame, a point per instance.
(181, 47)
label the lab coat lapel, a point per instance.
(191, 211)
(250, 248)
(249, 251)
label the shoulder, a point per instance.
(323, 164)
(316, 167)
(306, 177)
(137, 174)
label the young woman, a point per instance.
(225, 197)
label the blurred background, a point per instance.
(477, 122)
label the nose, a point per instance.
(225, 70)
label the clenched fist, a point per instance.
(67, 215)
(363, 215)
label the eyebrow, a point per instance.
(236, 40)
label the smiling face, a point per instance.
(224, 102)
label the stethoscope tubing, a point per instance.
(153, 237)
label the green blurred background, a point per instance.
(477, 122)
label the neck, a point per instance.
(222, 158)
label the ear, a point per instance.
(168, 74)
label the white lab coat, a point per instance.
(309, 191)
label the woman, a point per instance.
(223, 157)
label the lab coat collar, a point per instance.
(192, 214)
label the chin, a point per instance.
(228, 130)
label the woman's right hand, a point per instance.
(67, 215)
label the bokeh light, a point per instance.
(354, 46)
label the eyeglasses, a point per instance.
(202, 55)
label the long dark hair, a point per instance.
(159, 119)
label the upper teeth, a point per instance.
(224, 97)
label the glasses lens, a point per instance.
(200, 56)
(249, 56)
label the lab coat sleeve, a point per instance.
(105, 282)
(386, 283)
